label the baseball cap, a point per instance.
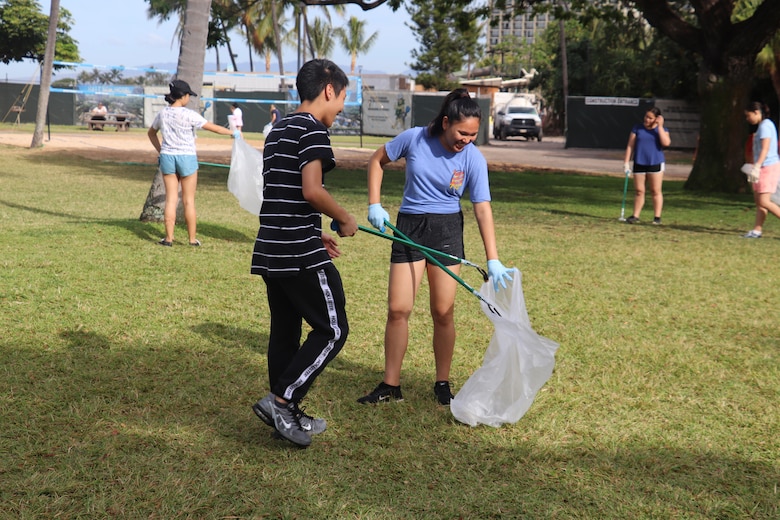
(179, 88)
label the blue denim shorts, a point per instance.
(182, 165)
(440, 232)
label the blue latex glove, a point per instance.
(499, 274)
(377, 216)
(236, 135)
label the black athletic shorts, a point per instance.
(441, 232)
(648, 168)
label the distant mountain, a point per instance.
(290, 67)
(136, 70)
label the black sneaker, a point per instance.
(632, 220)
(264, 410)
(657, 221)
(442, 391)
(383, 393)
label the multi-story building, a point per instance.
(521, 28)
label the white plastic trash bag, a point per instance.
(245, 180)
(517, 363)
(267, 129)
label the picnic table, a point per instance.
(117, 119)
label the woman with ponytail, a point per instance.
(766, 166)
(442, 163)
(178, 160)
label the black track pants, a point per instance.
(314, 296)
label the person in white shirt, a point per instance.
(236, 119)
(99, 113)
(178, 158)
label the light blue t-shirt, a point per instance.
(766, 130)
(436, 178)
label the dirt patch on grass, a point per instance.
(135, 147)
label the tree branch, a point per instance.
(720, 40)
(661, 16)
(751, 35)
(365, 5)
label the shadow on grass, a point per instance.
(547, 189)
(143, 230)
(106, 412)
(230, 337)
(681, 227)
(208, 176)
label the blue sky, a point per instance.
(118, 32)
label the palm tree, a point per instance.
(301, 33)
(353, 40)
(264, 22)
(321, 38)
(46, 71)
(192, 57)
(224, 17)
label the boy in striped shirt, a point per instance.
(293, 254)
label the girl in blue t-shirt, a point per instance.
(766, 166)
(646, 143)
(441, 164)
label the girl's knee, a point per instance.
(443, 316)
(394, 314)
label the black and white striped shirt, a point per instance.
(290, 236)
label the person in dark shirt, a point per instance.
(646, 144)
(293, 254)
(276, 115)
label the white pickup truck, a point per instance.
(517, 118)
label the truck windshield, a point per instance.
(522, 110)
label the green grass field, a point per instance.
(128, 369)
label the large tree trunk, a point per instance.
(154, 207)
(728, 51)
(723, 129)
(48, 64)
(278, 44)
(192, 58)
(774, 74)
(192, 51)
